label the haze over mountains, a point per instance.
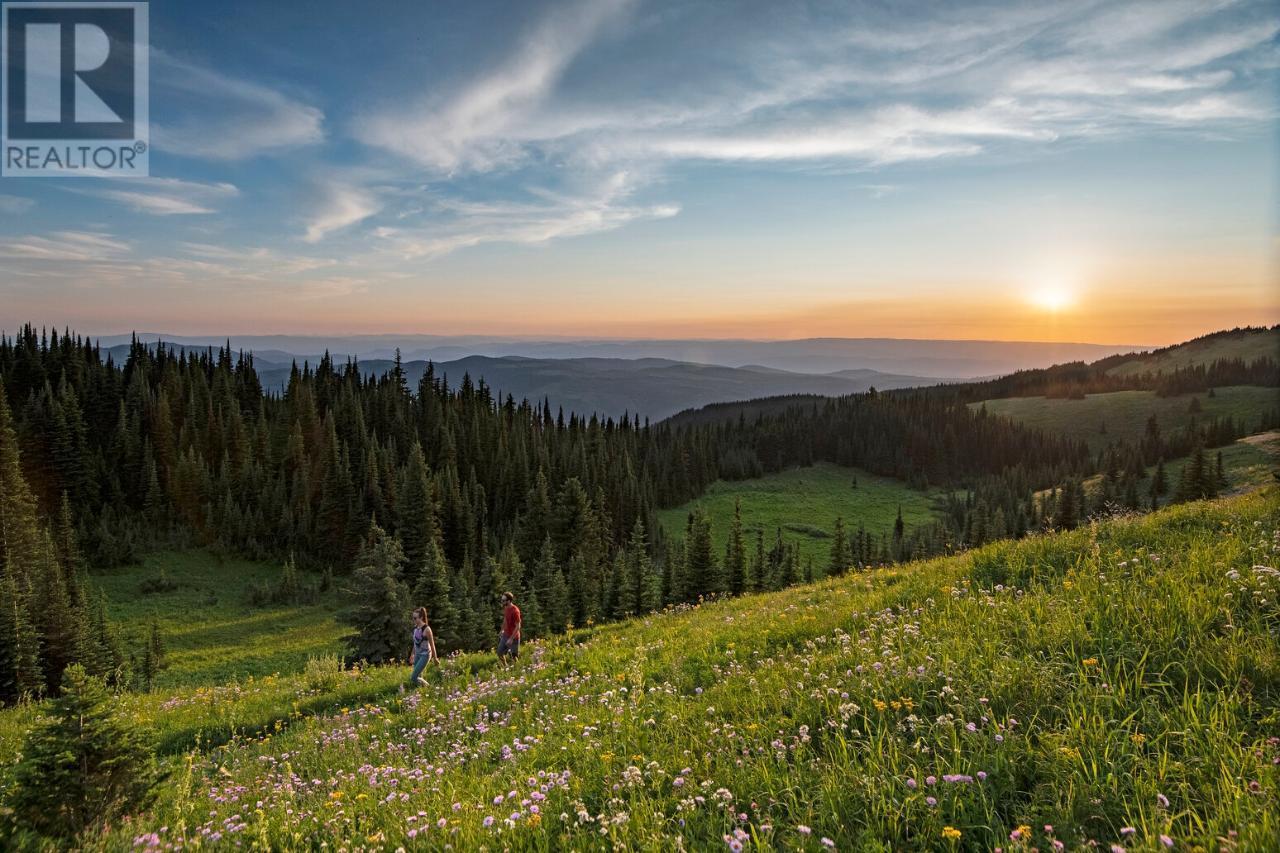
(928, 358)
(652, 378)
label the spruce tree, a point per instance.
(432, 591)
(418, 524)
(701, 571)
(648, 578)
(840, 557)
(735, 558)
(380, 613)
(19, 528)
(86, 767)
(553, 592)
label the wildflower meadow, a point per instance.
(1114, 687)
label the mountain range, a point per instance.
(651, 378)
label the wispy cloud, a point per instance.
(846, 86)
(340, 205)
(475, 127)
(548, 216)
(63, 246)
(219, 117)
(15, 204)
(169, 196)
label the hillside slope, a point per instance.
(1118, 684)
(1244, 344)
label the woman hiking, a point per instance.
(424, 647)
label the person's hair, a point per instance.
(421, 613)
(506, 596)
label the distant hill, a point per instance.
(651, 387)
(654, 388)
(1245, 344)
(900, 356)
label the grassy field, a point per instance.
(211, 634)
(804, 503)
(1248, 346)
(1100, 419)
(1119, 684)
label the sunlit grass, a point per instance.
(1120, 677)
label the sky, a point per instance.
(1088, 171)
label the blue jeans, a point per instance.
(419, 664)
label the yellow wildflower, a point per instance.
(950, 833)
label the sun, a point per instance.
(1052, 297)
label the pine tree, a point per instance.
(701, 571)
(1159, 481)
(20, 672)
(648, 578)
(613, 599)
(19, 528)
(381, 608)
(84, 768)
(840, 557)
(553, 592)
(1067, 516)
(419, 526)
(735, 558)
(57, 621)
(432, 591)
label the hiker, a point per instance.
(509, 639)
(424, 647)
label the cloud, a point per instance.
(64, 246)
(548, 216)
(15, 204)
(169, 196)
(218, 117)
(859, 88)
(341, 206)
(475, 127)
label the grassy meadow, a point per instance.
(1117, 685)
(211, 633)
(804, 503)
(1100, 419)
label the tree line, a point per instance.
(447, 492)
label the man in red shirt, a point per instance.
(509, 639)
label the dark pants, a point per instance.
(508, 646)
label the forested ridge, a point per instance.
(446, 493)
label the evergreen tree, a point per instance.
(57, 622)
(735, 558)
(432, 591)
(380, 613)
(419, 527)
(840, 557)
(84, 768)
(648, 579)
(701, 571)
(1067, 516)
(553, 592)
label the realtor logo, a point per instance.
(75, 89)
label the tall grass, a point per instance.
(1119, 684)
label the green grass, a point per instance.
(1076, 680)
(805, 503)
(211, 634)
(1100, 419)
(1248, 346)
